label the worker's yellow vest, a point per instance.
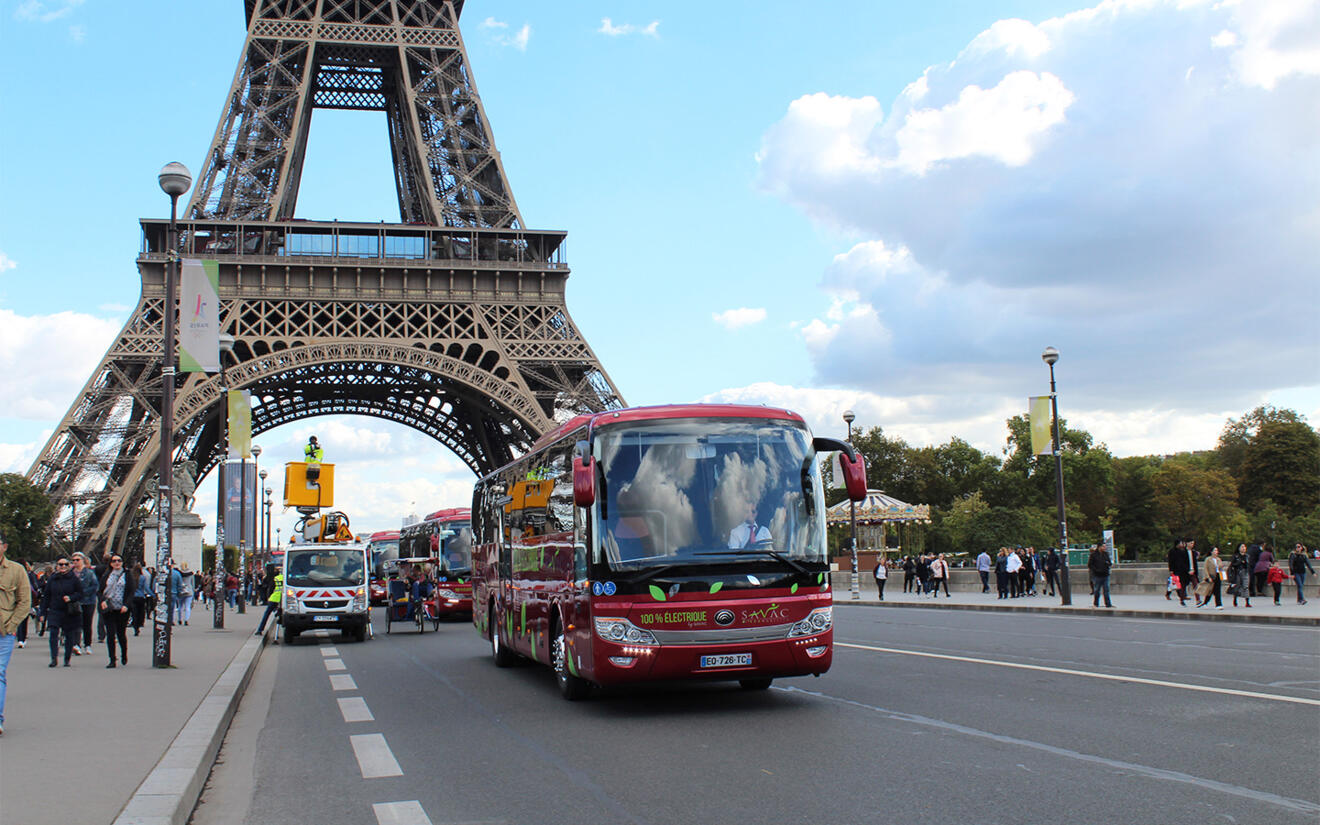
(278, 593)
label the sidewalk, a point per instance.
(79, 741)
(1262, 610)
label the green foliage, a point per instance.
(1192, 500)
(25, 516)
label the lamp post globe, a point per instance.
(175, 179)
(1050, 355)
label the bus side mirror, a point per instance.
(584, 481)
(854, 475)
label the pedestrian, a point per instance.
(173, 592)
(909, 573)
(923, 574)
(101, 570)
(1253, 555)
(62, 604)
(1299, 565)
(1099, 565)
(276, 598)
(939, 575)
(90, 586)
(141, 597)
(21, 634)
(185, 593)
(15, 605)
(1013, 565)
(231, 590)
(1028, 573)
(1211, 583)
(1052, 569)
(881, 574)
(1239, 575)
(116, 593)
(1180, 566)
(1260, 571)
(1275, 577)
(983, 565)
(1001, 573)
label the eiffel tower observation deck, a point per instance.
(452, 321)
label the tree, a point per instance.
(1282, 463)
(1192, 500)
(25, 515)
(1239, 432)
(1135, 525)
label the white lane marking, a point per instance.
(334, 664)
(342, 681)
(329, 650)
(374, 756)
(1273, 697)
(354, 709)
(400, 813)
(1303, 805)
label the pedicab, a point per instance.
(412, 598)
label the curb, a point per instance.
(170, 792)
(1299, 621)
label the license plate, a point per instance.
(726, 660)
(324, 618)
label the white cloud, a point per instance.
(651, 29)
(36, 11)
(46, 359)
(517, 40)
(1073, 183)
(7, 263)
(741, 317)
(492, 23)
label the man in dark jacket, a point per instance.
(1180, 565)
(1099, 564)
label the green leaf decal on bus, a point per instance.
(793, 589)
(715, 588)
(522, 630)
(657, 593)
(820, 577)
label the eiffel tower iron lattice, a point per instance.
(452, 322)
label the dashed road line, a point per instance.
(374, 757)
(354, 709)
(342, 681)
(334, 664)
(329, 650)
(400, 813)
(1113, 677)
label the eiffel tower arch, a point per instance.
(452, 321)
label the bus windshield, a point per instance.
(688, 492)
(325, 567)
(456, 548)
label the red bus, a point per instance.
(445, 535)
(661, 543)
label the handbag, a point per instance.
(72, 609)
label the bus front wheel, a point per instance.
(572, 687)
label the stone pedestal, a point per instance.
(187, 540)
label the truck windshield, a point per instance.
(691, 492)
(325, 567)
(456, 548)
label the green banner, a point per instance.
(240, 424)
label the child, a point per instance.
(1275, 576)
(1170, 586)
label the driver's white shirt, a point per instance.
(738, 536)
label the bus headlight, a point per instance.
(446, 593)
(817, 621)
(623, 631)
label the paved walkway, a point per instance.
(1288, 611)
(79, 741)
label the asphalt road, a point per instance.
(927, 716)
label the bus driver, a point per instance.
(748, 533)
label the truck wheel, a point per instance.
(571, 687)
(502, 655)
(289, 635)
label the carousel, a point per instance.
(877, 514)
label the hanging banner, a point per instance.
(1038, 407)
(199, 317)
(240, 424)
(240, 503)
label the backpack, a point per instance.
(186, 589)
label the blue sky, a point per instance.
(888, 206)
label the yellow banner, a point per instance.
(1039, 413)
(240, 424)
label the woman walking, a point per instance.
(1260, 573)
(1001, 573)
(881, 576)
(1211, 583)
(141, 597)
(115, 595)
(1299, 565)
(90, 587)
(909, 573)
(61, 603)
(1239, 576)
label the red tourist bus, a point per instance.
(382, 547)
(661, 543)
(445, 535)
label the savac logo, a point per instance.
(766, 614)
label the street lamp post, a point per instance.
(259, 552)
(1049, 356)
(249, 581)
(218, 573)
(174, 180)
(855, 587)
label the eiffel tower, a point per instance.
(452, 321)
